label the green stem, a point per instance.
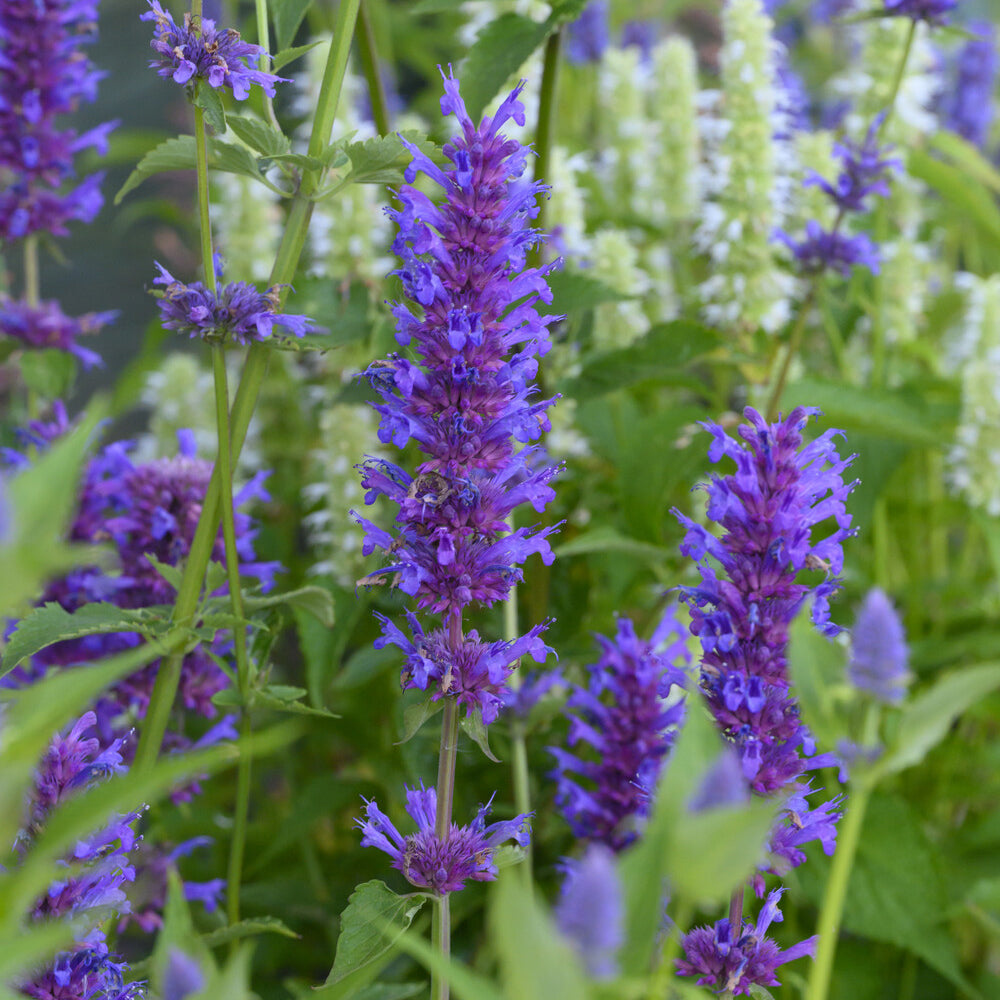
(445, 800)
(836, 893)
(369, 67)
(285, 264)
(237, 846)
(32, 281)
(665, 973)
(546, 130)
(794, 341)
(264, 62)
(911, 34)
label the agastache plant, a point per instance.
(467, 405)
(768, 510)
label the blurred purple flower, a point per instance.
(589, 35)
(45, 326)
(823, 249)
(934, 12)
(865, 170)
(879, 655)
(970, 104)
(591, 912)
(182, 976)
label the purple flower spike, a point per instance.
(768, 510)
(589, 35)
(628, 726)
(970, 105)
(934, 12)
(44, 78)
(735, 961)
(236, 311)
(879, 655)
(590, 911)
(45, 326)
(182, 976)
(866, 167)
(440, 865)
(202, 52)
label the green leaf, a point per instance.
(390, 991)
(416, 714)
(959, 190)
(465, 984)
(966, 157)
(174, 154)
(53, 623)
(286, 56)
(818, 670)
(536, 962)
(279, 698)
(926, 719)
(210, 101)
(259, 135)
(381, 159)
(370, 927)
(566, 10)
(606, 539)
(316, 601)
(31, 947)
(436, 6)
(233, 159)
(760, 993)
(287, 15)
(50, 374)
(172, 574)
(473, 727)
(247, 928)
(498, 52)
(573, 291)
(663, 355)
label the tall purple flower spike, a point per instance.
(74, 762)
(220, 58)
(45, 77)
(442, 866)
(621, 729)
(879, 654)
(467, 405)
(734, 962)
(970, 104)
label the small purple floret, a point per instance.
(823, 249)
(879, 655)
(201, 52)
(441, 866)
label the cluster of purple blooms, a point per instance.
(74, 762)
(934, 12)
(627, 716)
(768, 509)
(235, 312)
(199, 51)
(969, 105)
(476, 335)
(44, 76)
(865, 168)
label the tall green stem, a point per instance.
(285, 264)
(911, 34)
(369, 66)
(264, 62)
(32, 281)
(836, 892)
(445, 800)
(792, 349)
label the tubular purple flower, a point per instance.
(442, 866)
(824, 249)
(735, 962)
(591, 912)
(236, 312)
(781, 491)
(202, 52)
(466, 402)
(866, 168)
(623, 718)
(45, 76)
(879, 655)
(45, 326)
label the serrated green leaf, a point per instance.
(370, 927)
(210, 101)
(926, 718)
(280, 702)
(287, 15)
(382, 157)
(498, 52)
(172, 574)
(286, 56)
(259, 135)
(174, 154)
(300, 160)
(473, 727)
(233, 159)
(53, 623)
(247, 928)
